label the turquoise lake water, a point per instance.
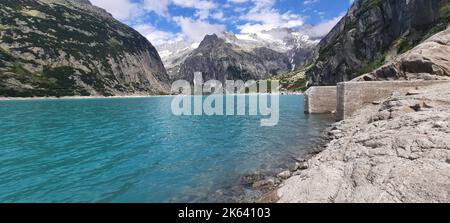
(136, 150)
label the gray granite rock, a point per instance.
(372, 33)
(427, 61)
(399, 158)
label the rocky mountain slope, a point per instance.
(396, 150)
(372, 32)
(428, 61)
(293, 81)
(68, 47)
(174, 53)
(220, 60)
(293, 47)
(297, 45)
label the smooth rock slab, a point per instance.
(400, 158)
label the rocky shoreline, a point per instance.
(264, 184)
(396, 150)
(393, 150)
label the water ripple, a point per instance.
(135, 150)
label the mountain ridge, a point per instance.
(372, 33)
(70, 48)
(294, 49)
(221, 60)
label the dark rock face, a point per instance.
(301, 56)
(220, 60)
(64, 48)
(373, 31)
(429, 60)
(83, 1)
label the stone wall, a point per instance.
(352, 96)
(320, 100)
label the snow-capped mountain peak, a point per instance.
(173, 52)
(296, 45)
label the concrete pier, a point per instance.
(347, 97)
(320, 100)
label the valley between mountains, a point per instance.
(393, 150)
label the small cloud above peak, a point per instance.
(195, 30)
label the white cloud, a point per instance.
(196, 30)
(238, 1)
(128, 9)
(191, 29)
(160, 7)
(309, 2)
(258, 4)
(256, 17)
(218, 15)
(120, 9)
(196, 4)
(264, 17)
(268, 18)
(156, 36)
(202, 14)
(203, 7)
(322, 29)
(254, 28)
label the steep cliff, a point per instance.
(372, 32)
(221, 60)
(69, 47)
(429, 60)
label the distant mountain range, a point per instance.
(233, 56)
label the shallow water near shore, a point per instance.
(136, 150)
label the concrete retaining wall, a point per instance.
(348, 97)
(320, 100)
(352, 96)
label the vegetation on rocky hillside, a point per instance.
(293, 81)
(65, 48)
(373, 31)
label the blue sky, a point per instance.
(170, 20)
